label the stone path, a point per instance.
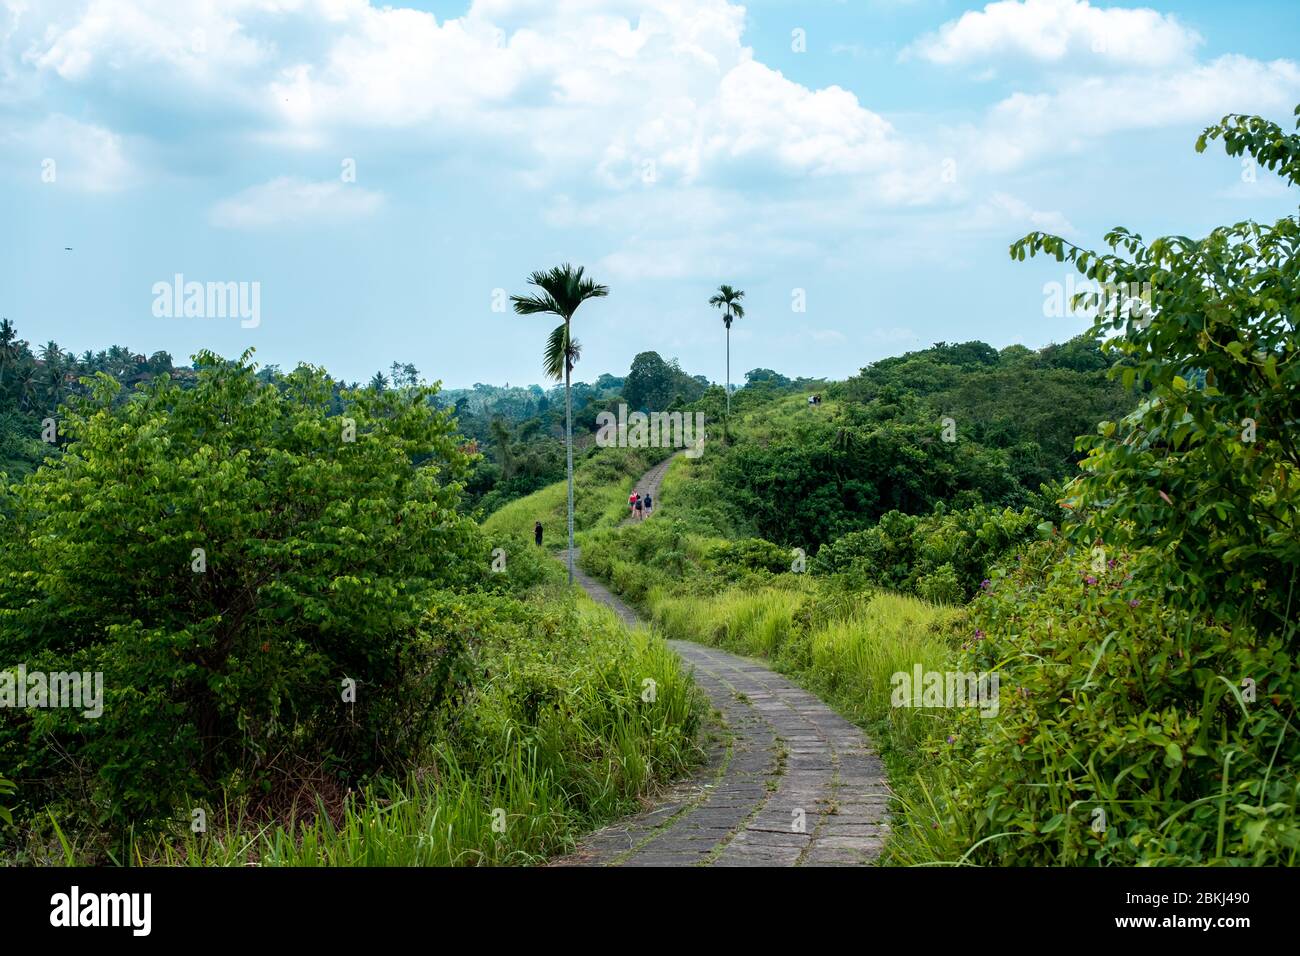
(788, 781)
(648, 484)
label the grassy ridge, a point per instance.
(601, 484)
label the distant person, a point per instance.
(812, 399)
(640, 504)
(631, 505)
(649, 503)
(537, 533)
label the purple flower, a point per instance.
(986, 584)
(952, 739)
(979, 635)
(1134, 602)
(1090, 579)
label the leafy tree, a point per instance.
(226, 555)
(1205, 475)
(651, 383)
(758, 375)
(563, 289)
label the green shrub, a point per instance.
(942, 556)
(546, 728)
(1128, 733)
(730, 559)
(319, 557)
(6, 790)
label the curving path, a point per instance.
(648, 484)
(788, 781)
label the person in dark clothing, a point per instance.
(537, 533)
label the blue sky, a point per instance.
(873, 158)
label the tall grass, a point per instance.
(601, 484)
(846, 650)
(575, 721)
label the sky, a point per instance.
(383, 177)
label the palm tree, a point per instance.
(501, 435)
(8, 347)
(54, 369)
(728, 299)
(563, 289)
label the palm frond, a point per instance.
(533, 304)
(728, 299)
(564, 288)
(553, 357)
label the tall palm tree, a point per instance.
(563, 289)
(501, 435)
(53, 369)
(728, 299)
(8, 347)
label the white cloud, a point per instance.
(606, 88)
(1025, 127)
(1001, 208)
(200, 41)
(84, 156)
(289, 200)
(1051, 31)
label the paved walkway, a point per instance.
(788, 782)
(648, 484)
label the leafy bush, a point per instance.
(1161, 738)
(6, 790)
(731, 558)
(319, 556)
(544, 731)
(942, 556)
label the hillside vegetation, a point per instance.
(1133, 590)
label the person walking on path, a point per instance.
(537, 533)
(640, 504)
(649, 504)
(631, 504)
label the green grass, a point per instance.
(846, 651)
(843, 645)
(601, 484)
(557, 738)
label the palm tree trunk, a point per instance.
(568, 440)
(726, 425)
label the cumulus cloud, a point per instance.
(652, 116)
(62, 151)
(289, 200)
(1025, 127)
(615, 88)
(1002, 208)
(1051, 31)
